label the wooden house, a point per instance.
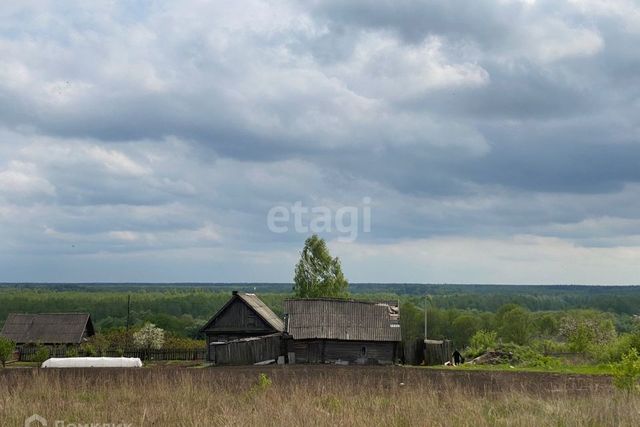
(48, 329)
(243, 316)
(324, 330)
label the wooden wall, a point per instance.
(247, 352)
(437, 353)
(238, 320)
(353, 352)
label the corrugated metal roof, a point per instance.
(50, 328)
(263, 311)
(342, 320)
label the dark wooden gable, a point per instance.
(237, 317)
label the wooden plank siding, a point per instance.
(247, 351)
(243, 316)
(437, 352)
(352, 352)
(237, 321)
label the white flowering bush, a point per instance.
(583, 329)
(149, 337)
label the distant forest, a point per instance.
(453, 311)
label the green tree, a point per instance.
(464, 327)
(546, 324)
(412, 322)
(515, 325)
(317, 273)
(6, 349)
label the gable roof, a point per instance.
(49, 328)
(255, 304)
(336, 319)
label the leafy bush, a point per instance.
(6, 349)
(627, 372)
(614, 351)
(549, 346)
(527, 357)
(585, 328)
(264, 382)
(262, 385)
(149, 337)
(480, 342)
(100, 344)
(88, 349)
(177, 342)
(42, 354)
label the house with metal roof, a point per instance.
(324, 330)
(48, 328)
(242, 318)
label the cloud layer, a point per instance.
(499, 141)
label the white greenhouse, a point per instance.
(93, 362)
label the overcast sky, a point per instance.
(497, 141)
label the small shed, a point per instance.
(243, 316)
(437, 352)
(48, 328)
(325, 330)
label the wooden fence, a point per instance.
(28, 354)
(247, 351)
(437, 352)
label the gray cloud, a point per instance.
(168, 131)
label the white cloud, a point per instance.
(115, 161)
(382, 67)
(23, 180)
(554, 40)
(497, 140)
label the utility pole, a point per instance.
(425, 317)
(128, 316)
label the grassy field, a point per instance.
(312, 395)
(601, 369)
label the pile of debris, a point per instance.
(493, 357)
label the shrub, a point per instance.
(149, 337)
(264, 382)
(583, 329)
(614, 351)
(549, 346)
(42, 354)
(173, 341)
(6, 350)
(627, 372)
(483, 340)
(71, 352)
(99, 343)
(89, 350)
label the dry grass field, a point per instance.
(315, 395)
